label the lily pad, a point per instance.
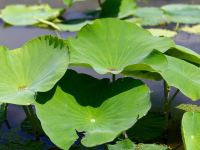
(189, 107)
(96, 108)
(20, 15)
(129, 145)
(123, 145)
(193, 30)
(150, 16)
(110, 45)
(191, 130)
(34, 67)
(182, 13)
(162, 32)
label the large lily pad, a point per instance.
(99, 109)
(110, 45)
(191, 130)
(183, 13)
(34, 67)
(20, 15)
(178, 73)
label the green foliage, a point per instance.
(129, 145)
(189, 107)
(34, 67)
(193, 30)
(20, 15)
(126, 46)
(182, 13)
(191, 130)
(150, 16)
(98, 108)
(162, 32)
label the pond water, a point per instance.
(14, 37)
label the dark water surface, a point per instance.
(14, 37)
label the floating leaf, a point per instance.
(110, 45)
(150, 15)
(182, 13)
(21, 15)
(194, 29)
(189, 107)
(129, 145)
(148, 128)
(151, 147)
(123, 145)
(69, 3)
(34, 67)
(98, 109)
(191, 130)
(162, 32)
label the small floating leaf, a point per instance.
(162, 32)
(189, 107)
(194, 29)
(20, 15)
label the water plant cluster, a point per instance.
(79, 111)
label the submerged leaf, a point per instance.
(21, 15)
(191, 130)
(110, 45)
(98, 109)
(34, 67)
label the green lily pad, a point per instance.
(129, 145)
(69, 3)
(123, 145)
(34, 67)
(189, 107)
(20, 15)
(191, 130)
(150, 16)
(110, 45)
(162, 32)
(182, 13)
(97, 108)
(193, 30)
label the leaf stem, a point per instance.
(6, 120)
(30, 115)
(113, 77)
(100, 3)
(166, 99)
(173, 97)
